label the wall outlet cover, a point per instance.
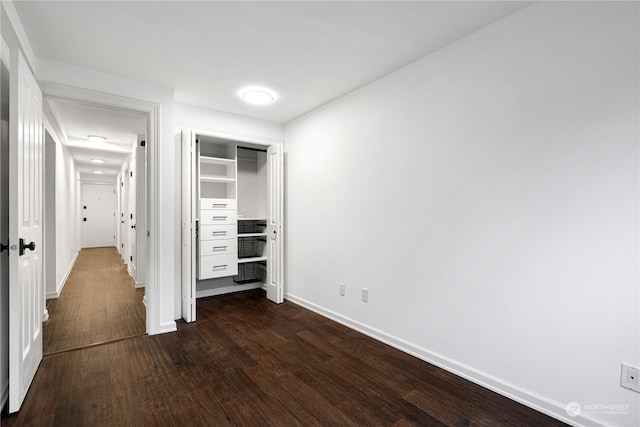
(629, 377)
(343, 289)
(365, 295)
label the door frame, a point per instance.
(152, 112)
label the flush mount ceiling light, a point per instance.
(96, 138)
(97, 161)
(98, 172)
(257, 95)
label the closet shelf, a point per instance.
(252, 235)
(254, 259)
(220, 179)
(216, 161)
(252, 219)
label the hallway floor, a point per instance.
(98, 303)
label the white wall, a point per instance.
(487, 196)
(68, 217)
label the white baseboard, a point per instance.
(539, 403)
(56, 294)
(168, 327)
(139, 285)
(227, 290)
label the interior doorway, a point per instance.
(93, 148)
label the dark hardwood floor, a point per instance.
(98, 303)
(249, 362)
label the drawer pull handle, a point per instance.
(219, 205)
(219, 248)
(220, 267)
(219, 218)
(218, 233)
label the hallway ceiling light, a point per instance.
(98, 172)
(96, 138)
(97, 161)
(257, 95)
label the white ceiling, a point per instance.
(120, 128)
(308, 52)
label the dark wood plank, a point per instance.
(249, 362)
(98, 303)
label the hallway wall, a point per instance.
(68, 225)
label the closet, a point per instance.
(232, 209)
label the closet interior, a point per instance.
(232, 225)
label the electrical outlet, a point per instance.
(343, 289)
(629, 377)
(365, 294)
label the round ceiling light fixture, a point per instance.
(258, 95)
(97, 161)
(96, 138)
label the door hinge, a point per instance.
(131, 258)
(122, 245)
(131, 216)
(131, 174)
(143, 143)
(4, 247)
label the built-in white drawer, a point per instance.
(218, 216)
(218, 204)
(212, 266)
(219, 231)
(219, 247)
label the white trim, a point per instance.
(168, 327)
(239, 138)
(60, 285)
(152, 110)
(139, 285)
(228, 289)
(539, 403)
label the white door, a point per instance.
(188, 228)
(25, 230)
(275, 209)
(141, 212)
(98, 212)
(133, 242)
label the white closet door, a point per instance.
(25, 230)
(188, 227)
(275, 226)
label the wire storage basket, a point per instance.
(251, 272)
(251, 226)
(251, 247)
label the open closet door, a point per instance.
(25, 230)
(188, 228)
(275, 236)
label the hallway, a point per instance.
(97, 304)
